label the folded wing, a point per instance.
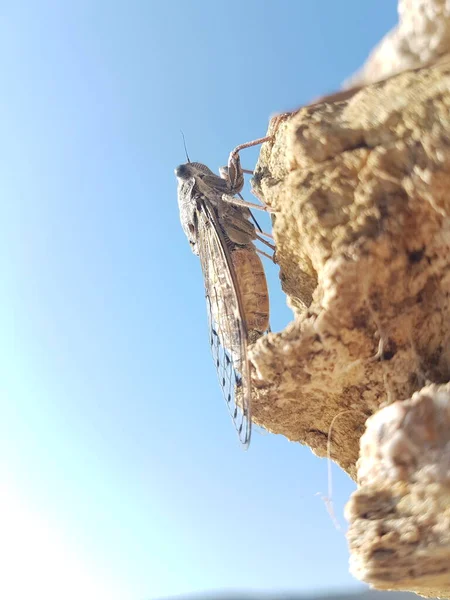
(227, 327)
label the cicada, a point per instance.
(220, 232)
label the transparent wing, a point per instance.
(227, 329)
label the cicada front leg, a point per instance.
(234, 171)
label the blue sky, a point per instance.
(121, 476)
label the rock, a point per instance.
(360, 189)
(420, 38)
(399, 532)
(360, 182)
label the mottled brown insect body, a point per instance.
(254, 292)
(219, 230)
(254, 296)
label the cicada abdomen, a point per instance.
(253, 289)
(250, 286)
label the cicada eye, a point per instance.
(182, 171)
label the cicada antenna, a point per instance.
(184, 144)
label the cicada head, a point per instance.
(187, 202)
(195, 181)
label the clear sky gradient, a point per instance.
(120, 474)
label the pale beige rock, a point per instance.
(363, 243)
(399, 517)
(421, 36)
(361, 186)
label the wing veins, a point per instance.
(228, 322)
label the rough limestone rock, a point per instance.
(399, 517)
(420, 38)
(361, 193)
(360, 187)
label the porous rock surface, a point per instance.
(362, 230)
(360, 186)
(421, 37)
(399, 533)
